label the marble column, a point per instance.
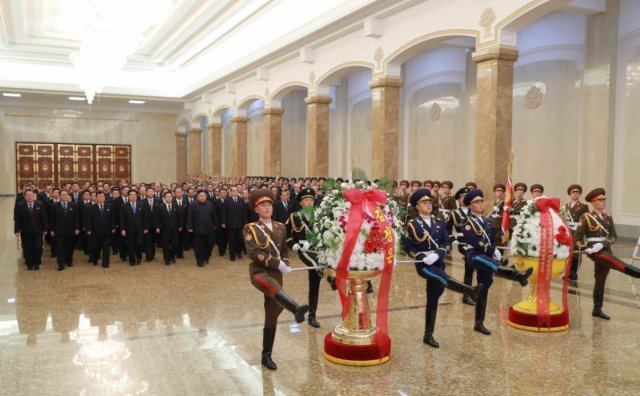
(318, 135)
(272, 139)
(215, 148)
(385, 110)
(194, 164)
(239, 145)
(494, 113)
(181, 156)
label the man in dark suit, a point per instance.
(282, 209)
(168, 227)
(235, 217)
(83, 205)
(49, 202)
(150, 238)
(220, 233)
(133, 226)
(100, 223)
(182, 204)
(64, 228)
(30, 225)
(118, 204)
(201, 222)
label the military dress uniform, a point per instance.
(297, 227)
(484, 256)
(574, 211)
(267, 250)
(496, 214)
(447, 203)
(457, 220)
(427, 242)
(600, 233)
(516, 206)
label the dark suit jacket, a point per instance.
(169, 222)
(235, 214)
(280, 213)
(30, 223)
(64, 223)
(100, 224)
(134, 223)
(218, 206)
(202, 218)
(152, 210)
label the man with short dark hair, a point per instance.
(64, 228)
(100, 225)
(168, 226)
(201, 222)
(133, 226)
(30, 226)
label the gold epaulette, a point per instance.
(261, 246)
(473, 224)
(590, 220)
(415, 234)
(454, 218)
(293, 223)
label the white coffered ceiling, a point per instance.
(196, 44)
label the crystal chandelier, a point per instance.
(113, 30)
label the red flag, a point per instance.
(507, 205)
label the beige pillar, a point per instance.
(239, 146)
(181, 156)
(215, 148)
(494, 112)
(194, 164)
(385, 110)
(272, 139)
(318, 135)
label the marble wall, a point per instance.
(255, 138)
(227, 130)
(294, 134)
(438, 115)
(151, 136)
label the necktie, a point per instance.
(134, 208)
(235, 200)
(100, 208)
(179, 204)
(30, 207)
(286, 208)
(169, 208)
(64, 206)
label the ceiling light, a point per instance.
(78, 98)
(11, 95)
(132, 101)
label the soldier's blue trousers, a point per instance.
(485, 266)
(436, 278)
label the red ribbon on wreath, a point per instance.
(545, 261)
(365, 203)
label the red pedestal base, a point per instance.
(357, 355)
(529, 322)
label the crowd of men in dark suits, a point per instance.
(133, 220)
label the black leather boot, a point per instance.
(287, 303)
(332, 282)
(429, 326)
(268, 336)
(468, 279)
(481, 307)
(313, 305)
(632, 271)
(471, 293)
(521, 277)
(598, 298)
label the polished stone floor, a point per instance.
(184, 330)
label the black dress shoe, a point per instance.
(173, 260)
(94, 263)
(233, 259)
(36, 268)
(200, 264)
(597, 313)
(60, 268)
(313, 322)
(105, 266)
(429, 340)
(167, 262)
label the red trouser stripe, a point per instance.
(265, 284)
(620, 266)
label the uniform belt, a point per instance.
(596, 239)
(444, 210)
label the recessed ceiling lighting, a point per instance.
(137, 101)
(11, 95)
(78, 98)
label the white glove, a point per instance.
(455, 243)
(597, 247)
(305, 246)
(283, 267)
(497, 255)
(295, 247)
(496, 208)
(430, 258)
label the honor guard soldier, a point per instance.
(267, 250)
(456, 221)
(496, 212)
(298, 225)
(402, 195)
(574, 211)
(484, 256)
(537, 190)
(447, 201)
(516, 205)
(435, 197)
(600, 233)
(411, 211)
(471, 185)
(427, 242)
